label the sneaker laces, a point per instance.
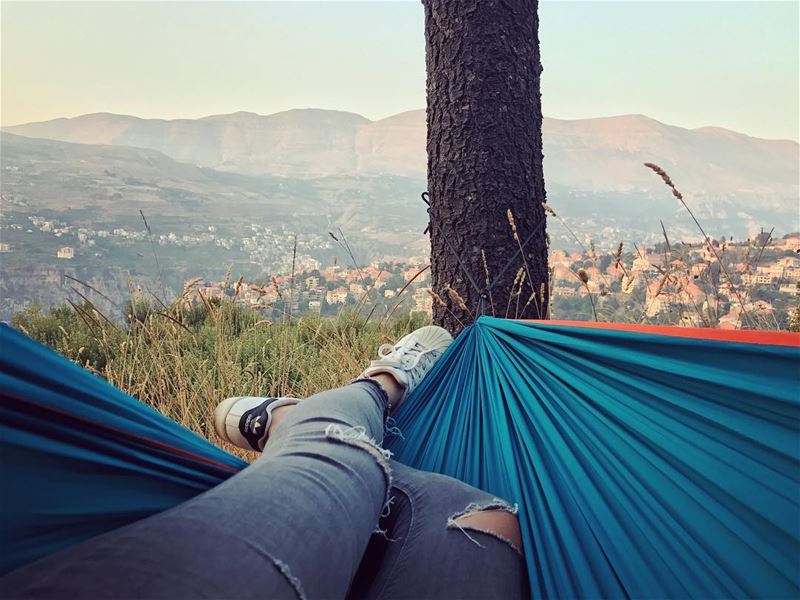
(409, 357)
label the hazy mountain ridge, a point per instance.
(293, 143)
(91, 184)
(592, 155)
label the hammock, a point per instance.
(647, 461)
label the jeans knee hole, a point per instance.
(497, 519)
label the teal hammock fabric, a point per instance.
(78, 457)
(645, 464)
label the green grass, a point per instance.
(183, 360)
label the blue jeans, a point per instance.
(324, 513)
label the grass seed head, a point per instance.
(455, 297)
(665, 178)
(436, 298)
(549, 209)
(627, 283)
(485, 267)
(512, 222)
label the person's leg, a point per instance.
(294, 524)
(391, 388)
(442, 539)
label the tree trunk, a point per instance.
(485, 159)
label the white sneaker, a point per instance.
(244, 420)
(411, 358)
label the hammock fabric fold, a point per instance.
(647, 462)
(80, 458)
(646, 465)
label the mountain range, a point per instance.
(598, 155)
(244, 192)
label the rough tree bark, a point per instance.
(485, 158)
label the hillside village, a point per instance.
(326, 290)
(730, 284)
(263, 245)
(686, 286)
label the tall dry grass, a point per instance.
(182, 360)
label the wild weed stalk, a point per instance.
(182, 359)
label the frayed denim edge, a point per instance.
(473, 507)
(376, 385)
(293, 581)
(357, 436)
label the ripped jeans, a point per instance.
(323, 514)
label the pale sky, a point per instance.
(687, 63)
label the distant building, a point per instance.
(337, 296)
(560, 259)
(730, 321)
(642, 265)
(791, 243)
(563, 274)
(410, 274)
(757, 278)
(423, 302)
(66, 252)
(789, 262)
(5, 247)
(563, 291)
(699, 269)
(331, 272)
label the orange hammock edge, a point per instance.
(746, 336)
